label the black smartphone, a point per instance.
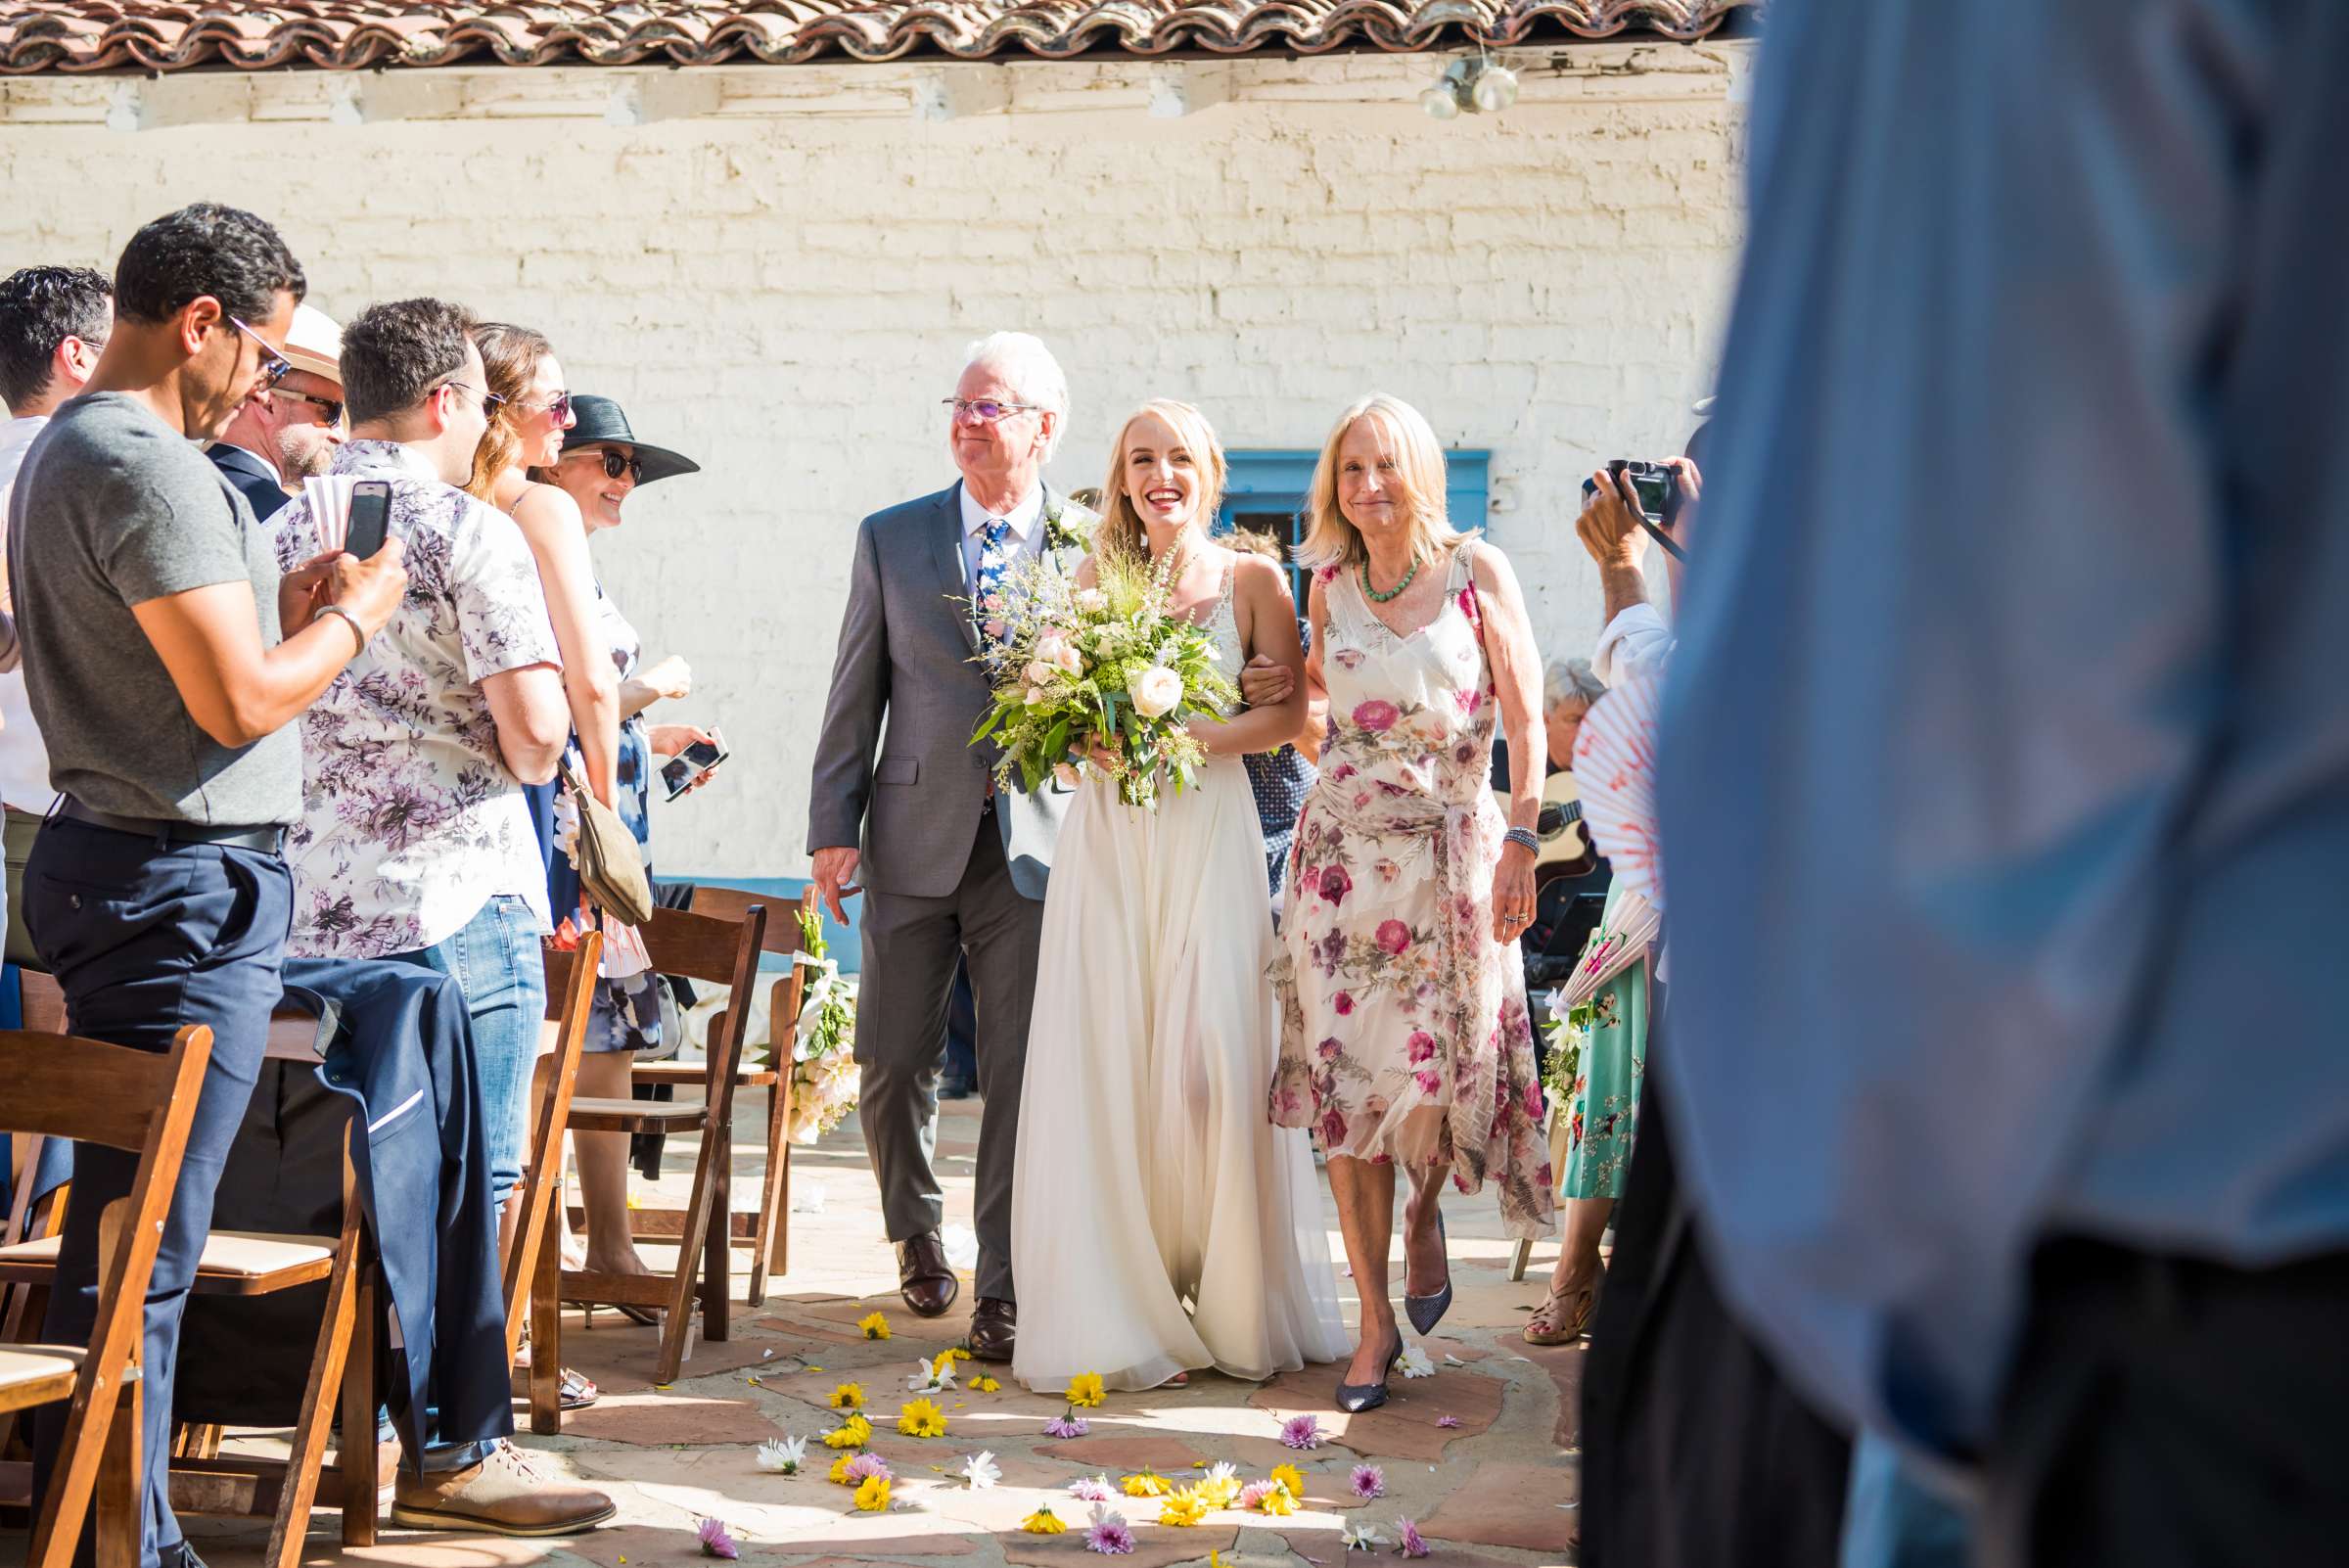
(681, 771)
(370, 517)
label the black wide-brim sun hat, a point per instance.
(600, 422)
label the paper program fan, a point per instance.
(1615, 769)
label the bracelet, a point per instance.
(1524, 839)
(349, 619)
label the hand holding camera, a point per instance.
(1629, 502)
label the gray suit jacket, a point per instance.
(910, 795)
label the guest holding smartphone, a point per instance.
(600, 465)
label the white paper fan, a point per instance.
(328, 498)
(1614, 770)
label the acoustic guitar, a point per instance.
(1566, 849)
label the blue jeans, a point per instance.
(496, 962)
(143, 938)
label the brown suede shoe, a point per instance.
(995, 1331)
(924, 1277)
(502, 1494)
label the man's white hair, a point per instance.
(1033, 374)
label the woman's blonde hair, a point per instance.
(510, 357)
(1332, 541)
(1121, 530)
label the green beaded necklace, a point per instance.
(1376, 597)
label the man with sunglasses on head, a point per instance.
(165, 659)
(290, 431)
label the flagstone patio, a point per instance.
(1496, 1491)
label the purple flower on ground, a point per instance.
(1092, 1489)
(715, 1543)
(1066, 1426)
(1368, 1481)
(1447, 1422)
(1408, 1541)
(1301, 1432)
(865, 1468)
(1109, 1535)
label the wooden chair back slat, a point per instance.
(735, 903)
(701, 947)
(85, 1090)
(43, 1005)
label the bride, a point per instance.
(1160, 1222)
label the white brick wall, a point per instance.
(782, 288)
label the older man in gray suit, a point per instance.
(952, 866)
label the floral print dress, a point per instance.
(1405, 1031)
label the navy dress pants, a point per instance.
(145, 936)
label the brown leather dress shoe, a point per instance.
(995, 1329)
(924, 1278)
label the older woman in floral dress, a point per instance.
(1406, 1038)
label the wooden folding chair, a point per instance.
(767, 1232)
(722, 951)
(60, 1087)
(342, 1363)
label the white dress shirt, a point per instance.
(1027, 533)
(1636, 642)
(23, 759)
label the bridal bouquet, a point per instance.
(1108, 668)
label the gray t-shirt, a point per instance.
(113, 508)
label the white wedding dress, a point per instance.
(1160, 1222)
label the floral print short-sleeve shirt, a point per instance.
(410, 820)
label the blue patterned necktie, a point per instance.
(988, 602)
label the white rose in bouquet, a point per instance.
(1156, 691)
(1039, 673)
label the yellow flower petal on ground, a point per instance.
(854, 1433)
(1148, 1484)
(1084, 1390)
(839, 1469)
(922, 1418)
(874, 1325)
(1182, 1508)
(984, 1384)
(1043, 1522)
(873, 1496)
(847, 1397)
(1288, 1476)
(1279, 1500)
(950, 1354)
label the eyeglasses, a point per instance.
(491, 401)
(984, 410)
(615, 465)
(556, 408)
(274, 365)
(330, 408)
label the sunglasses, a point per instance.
(274, 365)
(556, 408)
(329, 409)
(615, 465)
(986, 410)
(491, 401)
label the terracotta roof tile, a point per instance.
(89, 35)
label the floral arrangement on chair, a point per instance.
(823, 1059)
